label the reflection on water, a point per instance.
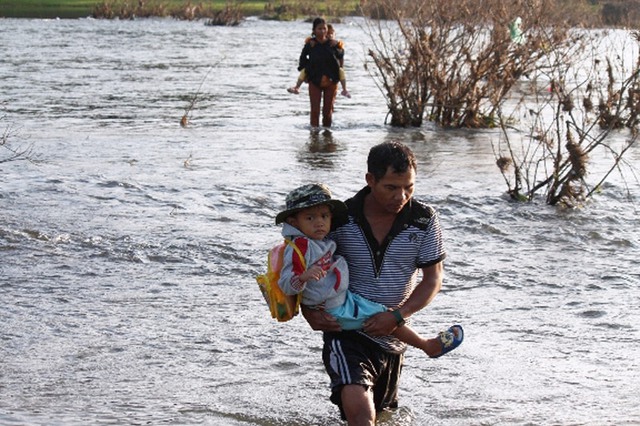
(321, 143)
(128, 255)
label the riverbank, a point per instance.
(576, 13)
(70, 9)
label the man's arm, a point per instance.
(319, 319)
(425, 291)
(383, 324)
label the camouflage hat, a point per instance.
(310, 195)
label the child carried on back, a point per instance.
(331, 34)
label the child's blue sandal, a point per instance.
(449, 340)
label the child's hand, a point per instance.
(313, 273)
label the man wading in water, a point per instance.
(386, 238)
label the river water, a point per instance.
(129, 248)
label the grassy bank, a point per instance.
(580, 13)
(83, 8)
(46, 8)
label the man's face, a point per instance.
(394, 190)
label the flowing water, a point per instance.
(128, 251)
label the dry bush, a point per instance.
(572, 115)
(129, 9)
(10, 150)
(230, 15)
(621, 13)
(455, 65)
(460, 67)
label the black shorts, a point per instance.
(353, 359)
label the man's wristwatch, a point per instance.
(399, 320)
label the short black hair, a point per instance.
(390, 154)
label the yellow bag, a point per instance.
(283, 307)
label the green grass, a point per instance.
(84, 8)
(46, 8)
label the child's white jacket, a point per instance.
(328, 292)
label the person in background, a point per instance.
(515, 31)
(321, 59)
(386, 238)
(302, 77)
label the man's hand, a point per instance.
(320, 320)
(382, 324)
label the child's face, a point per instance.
(331, 33)
(314, 222)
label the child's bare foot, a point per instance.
(293, 90)
(346, 93)
(446, 341)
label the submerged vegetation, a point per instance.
(567, 119)
(9, 148)
(555, 92)
(456, 66)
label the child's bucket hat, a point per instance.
(310, 195)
